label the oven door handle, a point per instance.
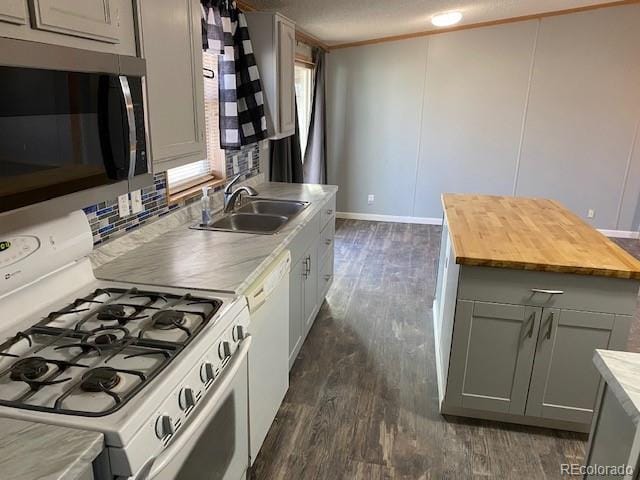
(131, 124)
(206, 409)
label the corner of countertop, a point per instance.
(621, 372)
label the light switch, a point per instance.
(136, 201)
(123, 205)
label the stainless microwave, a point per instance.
(72, 126)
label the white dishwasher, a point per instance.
(268, 300)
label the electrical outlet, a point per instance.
(236, 165)
(371, 199)
(136, 201)
(123, 205)
(591, 213)
(250, 162)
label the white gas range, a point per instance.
(162, 372)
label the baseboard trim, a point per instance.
(373, 217)
(620, 233)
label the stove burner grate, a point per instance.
(100, 379)
(115, 307)
(30, 368)
(168, 319)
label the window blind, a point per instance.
(181, 176)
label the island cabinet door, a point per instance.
(492, 356)
(564, 382)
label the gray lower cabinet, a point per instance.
(13, 11)
(311, 303)
(296, 308)
(171, 43)
(564, 381)
(93, 19)
(311, 276)
(612, 438)
(493, 351)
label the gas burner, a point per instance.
(168, 319)
(111, 312)
(99, 379)
(29, 368)
(105, 339)
(83, 350)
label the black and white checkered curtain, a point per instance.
(242, 116)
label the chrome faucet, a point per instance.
(231, 197)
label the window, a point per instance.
(304, 99)
(186, 181)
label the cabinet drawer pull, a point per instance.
(532, 321)
(547, 292)
(550, 327)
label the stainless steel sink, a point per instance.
(263, 206)
(262, 216)
(247, 223)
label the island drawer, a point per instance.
(522, 287)
(328, 211)
(326, 240)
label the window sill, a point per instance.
(194, 190)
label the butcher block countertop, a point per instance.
(531, 234)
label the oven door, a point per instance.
(214, 443)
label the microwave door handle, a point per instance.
(131, 123)
(206, 409)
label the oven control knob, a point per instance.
(224, 350)
(186, 399)
(238, 333)
(207, 372)
(164, 426)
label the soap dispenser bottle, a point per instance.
(205, 202)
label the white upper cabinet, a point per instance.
(100, 25)
(274, 44)
(94, 19)
(171, 44)
(13, 11)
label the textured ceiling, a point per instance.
(343, 21)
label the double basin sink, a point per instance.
(259, 216)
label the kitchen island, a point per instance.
(526, 292)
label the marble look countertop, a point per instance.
(621, 371)
(35, 451)
(199, 259)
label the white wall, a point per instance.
(545, 107)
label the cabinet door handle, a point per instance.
(305, 274)
(328, 241)
(330, 212)
(309, 266)
(328, 277)
(550, 327)
(547, 292)
(532, 321)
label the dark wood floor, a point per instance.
(362, 403)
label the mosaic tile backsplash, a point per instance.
(104, 218)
